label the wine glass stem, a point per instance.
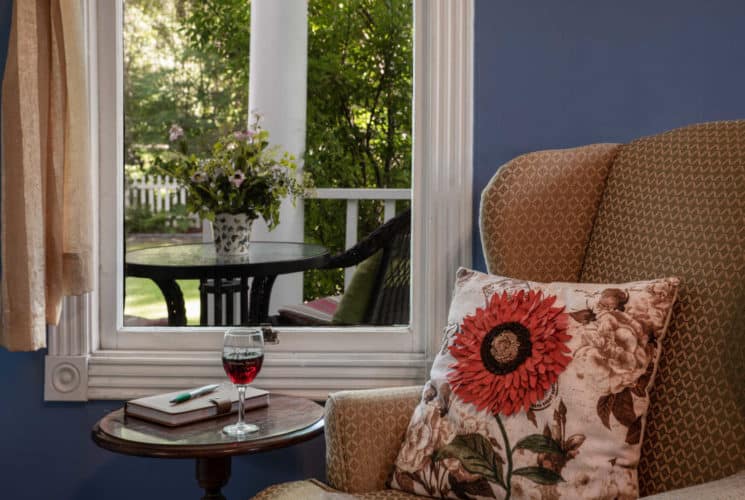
(241, 400)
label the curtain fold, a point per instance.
(47, 198)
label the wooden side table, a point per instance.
(286, 421)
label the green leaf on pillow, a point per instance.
(539, 475)
(476, 454)
(539, 443)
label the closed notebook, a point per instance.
(218, 403)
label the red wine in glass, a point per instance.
(241, 365)
(242, 357)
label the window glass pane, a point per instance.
(186, 89)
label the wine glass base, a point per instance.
(239, 430)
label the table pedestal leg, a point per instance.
(212, 475)
(174, 301)
(261, 292)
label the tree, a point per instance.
(169, 78)
(359, 113)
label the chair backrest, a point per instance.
(389, 299)
(672, 204)
(390, 302)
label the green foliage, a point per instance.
(359, 114)
(140, 219)
(359, 93)
(539, 475)
(170, 79)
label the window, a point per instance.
(186, 85)
(118, 361)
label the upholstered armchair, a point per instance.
(669, 204)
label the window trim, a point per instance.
(86, 362)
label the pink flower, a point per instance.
(237, 178)
(199, 178)
(175, 133)
(244, 135)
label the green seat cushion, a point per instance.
(357, 296)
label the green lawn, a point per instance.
(143, 299)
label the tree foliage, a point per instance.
(170, 78)
(359, 113)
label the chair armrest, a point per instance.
(364, 431)
(376, 240)
(728, 488)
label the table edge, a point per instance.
(247, 269)
(299, 260)
(124, 447)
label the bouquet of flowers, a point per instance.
(243, 175)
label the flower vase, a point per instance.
(231, 234)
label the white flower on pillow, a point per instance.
(651, 308)
(427, 431)
(615, 344)
(617, 483)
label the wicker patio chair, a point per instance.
(389, 299)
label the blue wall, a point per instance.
(548, 74)
(562, 74)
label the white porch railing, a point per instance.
(353, 197)
(161, 193)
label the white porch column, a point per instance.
(277, 90)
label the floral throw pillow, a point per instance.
(540, 390)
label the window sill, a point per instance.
(109, 374)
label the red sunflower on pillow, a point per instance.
(510, 353)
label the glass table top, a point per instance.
(203, 254)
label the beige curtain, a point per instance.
(46, 173)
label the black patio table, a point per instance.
(265, 260)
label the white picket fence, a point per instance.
(157, 192)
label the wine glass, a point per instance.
(242, 356)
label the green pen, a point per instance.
(186, 396)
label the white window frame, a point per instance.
(91, 356)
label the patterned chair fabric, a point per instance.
(364, 431)
(674, 204)
(538, 209)
(669, 204)
(368, 426)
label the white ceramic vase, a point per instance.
(231, 233)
